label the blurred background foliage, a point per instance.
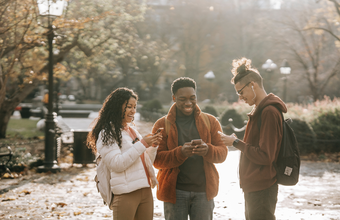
(316, 125)
(101, 45)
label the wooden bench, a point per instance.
(8, 154)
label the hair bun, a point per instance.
(241, 66)
(242, 69)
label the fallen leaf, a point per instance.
(61, 204)
(7, 176)
(76, 213)
(8, 199)
(25, 192)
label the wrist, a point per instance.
(144, 143)
(235, 142)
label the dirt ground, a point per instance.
(71, 194)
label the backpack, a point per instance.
(288, 162)
(102, 180)
(168, 124)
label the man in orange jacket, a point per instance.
(188, 179)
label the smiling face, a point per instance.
(185, 99)
(129, 110)
(245, 92)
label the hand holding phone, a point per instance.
(187, 149)
(200, 148)
(196, 142)
(227, 139)
(158, 130)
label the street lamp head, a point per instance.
(51, 7)
(269, 65)
(285, 68)
(209, 75)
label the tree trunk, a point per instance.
(315, 95)
(5, 114)
(8, 106)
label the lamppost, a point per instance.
(50, 8)
(210, 76)
(269, 66)
(285, 69)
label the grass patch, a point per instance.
(24, 128)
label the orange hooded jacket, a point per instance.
(169, 156)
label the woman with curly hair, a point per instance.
(127, 154)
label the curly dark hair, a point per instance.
(110, 119)
(182, 82)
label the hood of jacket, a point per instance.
(271, 99)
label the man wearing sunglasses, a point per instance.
(260, 147)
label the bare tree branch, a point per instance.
(337, 6)
(324, 29)
(334, 71)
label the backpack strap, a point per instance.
(259, 121)
(204, 117)
(206, 120)
(167, 125)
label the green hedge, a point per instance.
(211, 110)
(327, 129)
(232, 114)
(153, 105)
(305, 136)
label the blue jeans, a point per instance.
(194, 204)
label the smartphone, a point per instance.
(196, 142)
(158, 130)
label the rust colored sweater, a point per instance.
(169, 156)
(260, 148)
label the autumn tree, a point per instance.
(121, 59)
(21, 59)
(330, 20)
(313, 54)
(207, 35)
(23, 51)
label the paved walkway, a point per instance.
(71, 194)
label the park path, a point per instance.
(71, 194)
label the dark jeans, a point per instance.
(194, 204)
(261, 205)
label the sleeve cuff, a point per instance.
(180, 154)
(240, 145)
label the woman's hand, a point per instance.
(153, 139)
